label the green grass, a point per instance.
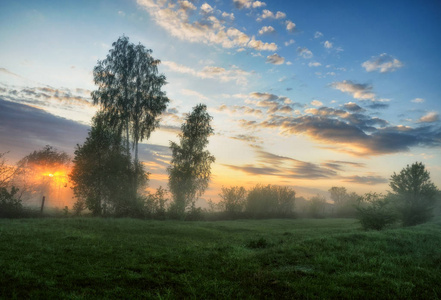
(88, 258)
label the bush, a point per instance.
(375, 212)
(270, 201)
(10, 206)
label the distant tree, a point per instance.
(374, 211)
(233, 200)
(129, 90)
(155, 205)
(190, 169)
(7, 171)
(270, 201)
(102, 173)
(316, 207)
(414, 193)
(10, 202)
(338, 194)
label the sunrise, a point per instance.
(280, 114)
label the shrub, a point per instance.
(375, 212)
(233, 200)
(10, 206)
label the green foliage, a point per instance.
(233, 200)
(414, 193)
(103, 173)
(190, 170)
(155, 205)
(10, 205)
(375, 212)
(105, 258)
(344, 203)
(129, 90)
(316, 207)
(270, 201)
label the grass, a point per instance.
(84, 258)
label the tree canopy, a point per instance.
(190, 168)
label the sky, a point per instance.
(307, 94)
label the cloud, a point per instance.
(206, 8)
(339, 165)
(384, 63)
(314, 64)
(25, 129)
(378, 105)
(353, 107)
(328, 45)
(357, 90)
(275, 59)
(193, 93)
(240, 110)
(353, 133)
(187, 5)
(248, 4)
(211, 72)
(226, 15)
(430, 117)
(270, 164)
(316, 103)
(290, 42)
(267, 30)
(369, 180)
(417, 100)
(304, 52)
(267, 14)
(209, 29)
(290, 26)
(318, 34)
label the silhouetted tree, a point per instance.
(129, 91)
(414, 193)
(102, 172)
(270, 201)
(190, 168)
(338, 194)
(233, 200)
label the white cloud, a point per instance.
(208, 30)
(418, 100)
(206, 8)
(275, 59)
(316, 103)
(267, 30)
(314, 64)
(212, 72)
(304, 52)
(328, 45)
(121, 13)
(193, 93)
(248, 4)
(228, 16)
(267, 14)
(430, 117)
(383, 63)
(357, 90)
(187, 5)
(290, 26)
(318, 34)
(290, 42)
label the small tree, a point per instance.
(270, 201)
(189, 172)
(414, 194)
(375, 212)
(233, 200)
(155, 205)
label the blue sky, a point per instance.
(310, 94)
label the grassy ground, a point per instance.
(124, 258)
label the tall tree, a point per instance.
(414, 193)
(102, 171)
(190, 168)
(129, 90)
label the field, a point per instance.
(84, 258)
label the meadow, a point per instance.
(87, 258)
